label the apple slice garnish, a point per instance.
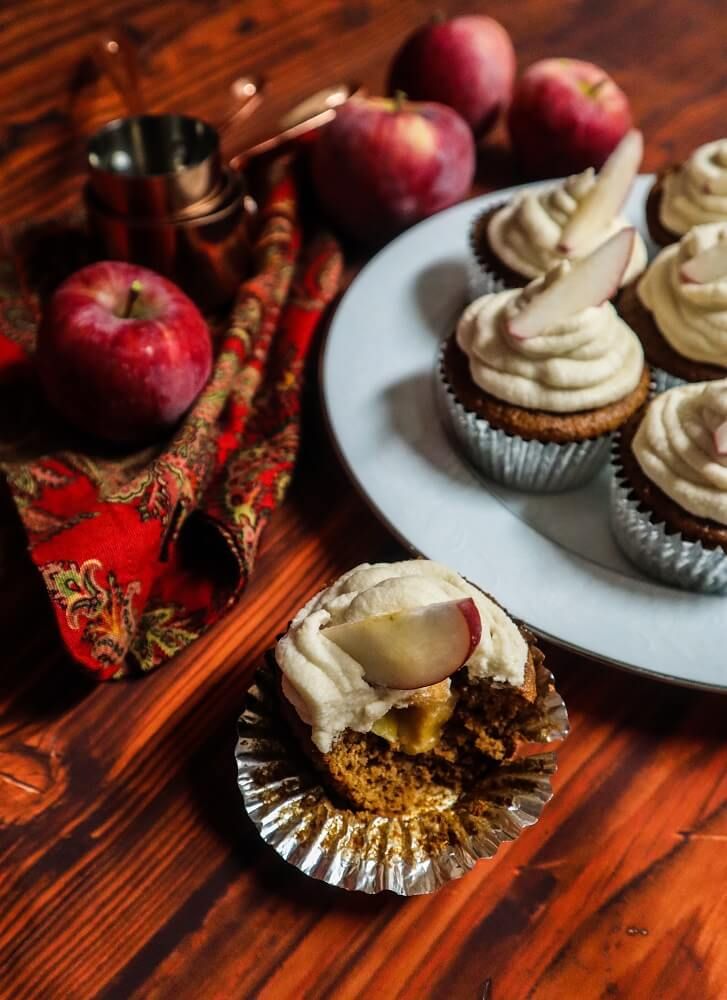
(591, 281)
(412, 649)
(709, 265)
(720, 439)
(604, 201)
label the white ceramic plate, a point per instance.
(549, 559)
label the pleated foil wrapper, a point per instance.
(662, 380)
(407, 854)
(481, 279)
(666, 557)
(531, 466)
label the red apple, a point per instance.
(566, 115)
(467, 63)
(122, 352)
(413, 648)
(383, 164)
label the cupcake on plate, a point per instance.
(679, 309)
(669, 488)
(534, 381)
(410, 694)
(691, 194)
(539, 228)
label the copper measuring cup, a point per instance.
(159, 192)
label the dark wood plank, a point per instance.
(127, 868)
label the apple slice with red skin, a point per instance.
(591, 281)
(604, 201)
(709, 265)
(414, 648)
(719, 436)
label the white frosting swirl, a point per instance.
(526, 232)
(696, 192)
(327, 687)
(675, 448)
(584, 361)
(691, 317)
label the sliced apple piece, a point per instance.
(414, 648)
(720, 440)
(709, 265)
(590, 281)
(604, 201)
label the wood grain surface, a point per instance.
(127, 866)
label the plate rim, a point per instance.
(323, 402)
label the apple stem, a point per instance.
(399, 98)
(438, 17)
(592, 91)
(134, 293)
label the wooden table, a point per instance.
(127, 866)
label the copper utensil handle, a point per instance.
(116, 56)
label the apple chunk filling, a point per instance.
(417, 728)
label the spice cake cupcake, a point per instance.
(691, 194)
(534, 381)
(402, 683)
(538, 229)
(669, 488)
(679, 309)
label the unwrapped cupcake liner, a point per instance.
(531, 466)
(666, 557)
(408, 854)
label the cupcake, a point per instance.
(383, 744)
(679, 309)
(534, 381)
(691, 194)
(669, 488)
(538, 229)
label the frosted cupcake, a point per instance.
(534, 381)
(679, 309)
(538, 229)
(669, 488)
(691, 194)
(402, 682)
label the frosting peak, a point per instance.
(327, 687)
(692, 317)
(584, 361)
(674, 446)
(526, 232)
(696, 192)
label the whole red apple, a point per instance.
(122, 352)
(467, 63)
(566, 115)
(382, 165)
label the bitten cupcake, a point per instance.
(679, 309)
(538, 229)
(669, 488)
(534, 381)
(691, 194)
(383, 744)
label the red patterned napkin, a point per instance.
(141, 553)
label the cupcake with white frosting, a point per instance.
(669, 488)
(691, 194)
(402, 682)
(534, 381)
(679, 308)
(539, 228)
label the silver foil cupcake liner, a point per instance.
(662, 380)
(481, 280)
(669, 558)
(531, 466)
(361, 851)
